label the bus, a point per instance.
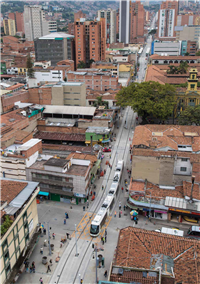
(140, 51)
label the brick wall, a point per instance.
(40, 96)
(32, 150)
(47, 128)
(8, 101)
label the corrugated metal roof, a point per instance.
(69, 110)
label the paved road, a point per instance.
(143, 60)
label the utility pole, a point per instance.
(96, 264)
(49, 239)
(150, 208)
(76, 242)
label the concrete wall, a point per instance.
(100, 122)
(159, 171)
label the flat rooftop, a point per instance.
(57, 36)
(56, 162)
(71, 110)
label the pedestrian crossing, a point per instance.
(83, 228)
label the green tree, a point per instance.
(90, 62)
(29, 66)
(187, 54)
(148, 98)
(81, 65)
(191, 115)
(198, 53)
(100, 102)
(6, 225)
(183, 67)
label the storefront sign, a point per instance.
(195, 213)
(79, 195)
(162, 212)
(178, 210)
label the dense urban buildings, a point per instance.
(35, 24)
(54, 47)
(110, 24)
(19, 22)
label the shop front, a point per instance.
(181, 215)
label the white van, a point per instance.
(170, 231)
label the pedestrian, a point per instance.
(105, 232)
(122, 189)
(27, 269)
(81, 281)
(61, 244)
(124, 207)
(102, 187)
(67, 235)
(33, 263)
(105, 238)
(53, 235)
(110, 156)
(94, 193)
(66, 215)
(51, 262)
(41, 281)
(103, 241)
(64, 221)
(106, 273)
(115, 214)
(48, 268)
(125, 121)
(41, 250)
(31, 269)
(119, 214)
(87, 204)
(120, 205)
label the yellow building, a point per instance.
(190, 96)
(22, 70)
(9, 27)
(18, 203)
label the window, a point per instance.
(183, 169)
(184, 159)
(192, 86)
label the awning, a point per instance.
(43, 193)
(105, 141)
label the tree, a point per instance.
(198, 53)
(187, 54)
(190, 116)
(100, 102)
(81, 64)
(148, 98)
(29, 66)
(6, 225)
(183, 67)
(90, 62)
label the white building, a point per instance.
(35, 24)
(45, 76)
(110, 17)
(12, 71)
(168, 48)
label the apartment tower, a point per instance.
(19, 21)
(35, 24)
(167, 18)
(9, 27)
(110, 23)
(124, 21)
(90, 40)
(137, 20)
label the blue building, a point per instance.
(183, 47)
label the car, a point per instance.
(106, 149)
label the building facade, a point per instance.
(167, 17)
(19, 21)
(137, 21)
(18, 202)
(124, 21)
(171, 48)
(54, 47)
(35, 24)
(90, 40)
(69, 94)
(110, 23)
(62, 179)
(191, 33)
(9, 27)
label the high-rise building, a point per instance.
(167, 18)
(137, 20)
(54, 47)
(90, 40)
(19, 21)
(117, 22)
(110, 21)
(79, 15)
(9, 27)
(35, 24)
(124, 21)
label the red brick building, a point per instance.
(19, 21)
(137, 21)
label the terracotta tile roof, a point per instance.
(82, 156)
(60, 136)
(187, 189)
(158, 136)
(14, 115)
(196, 171)
(11, 88)
(137, 246)
(10, 189)
(83, 149)
(136, 186)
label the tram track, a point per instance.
(125, 117)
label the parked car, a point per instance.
(106, 149)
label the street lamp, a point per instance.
(49, 239)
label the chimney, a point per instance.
(193, 178)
